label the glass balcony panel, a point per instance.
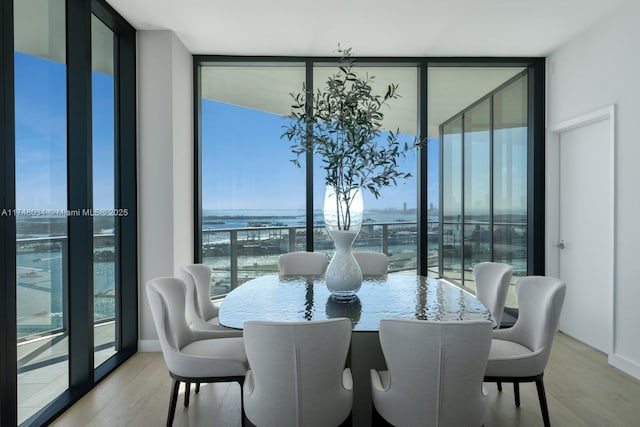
(477, 248)
(452, 250)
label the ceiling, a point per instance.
(382, 28)
(451, 89)
(402, 28)
(410, 28)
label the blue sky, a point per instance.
(41, 135)
(246, 165)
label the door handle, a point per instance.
(560, 245)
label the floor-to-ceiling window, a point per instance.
(105, 213)
(476, 181)
(451, 204)
(510, 156)
(484, 172)
(390, 220)
(41, 203)
(253, 197)
(255, 204)
(68, 192)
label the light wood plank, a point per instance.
(583, 390)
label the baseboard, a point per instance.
(625, 365)
(149, 346)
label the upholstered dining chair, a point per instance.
(302, 263)
(435, 371)
(492, 284)
(520, 353)
(191, 356)
(298, 375)
(202, 314)
(372, 263)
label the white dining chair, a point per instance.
(202, 314)
(298, 375)
(372, 263)
(302, 263)
(492, 284)
(520, 353)
(434, 372)
(191, 356)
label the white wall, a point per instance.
(597, 68)
(165, 165)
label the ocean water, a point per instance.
(39, 290)
(213, 219)
(260, 242)
(40, 273)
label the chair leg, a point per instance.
(516, 393)
(173, 400)
(499, 384)
(197, 387)
(187, 392)
(244, 421)
(543, 402)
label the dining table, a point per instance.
(274, 297)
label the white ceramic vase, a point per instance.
(343, 276)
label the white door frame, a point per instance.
(552, 227)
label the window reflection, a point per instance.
(483, 170)
(103, 139)
(510, 234)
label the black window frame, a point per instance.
(82, 375)
(535, 157)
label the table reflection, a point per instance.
(351, 309)
(272, 297)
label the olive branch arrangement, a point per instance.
(342, 123)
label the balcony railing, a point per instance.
(41, 275)
(239, 254)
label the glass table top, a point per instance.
(291, 299)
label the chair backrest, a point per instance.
(492, 284)
(302, 263)
(166, 297)
(436, 371)
(540, 300)
(197, 278)
(372, 263)
(297, 370)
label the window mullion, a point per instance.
(80, 195)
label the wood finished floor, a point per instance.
(582, 390)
